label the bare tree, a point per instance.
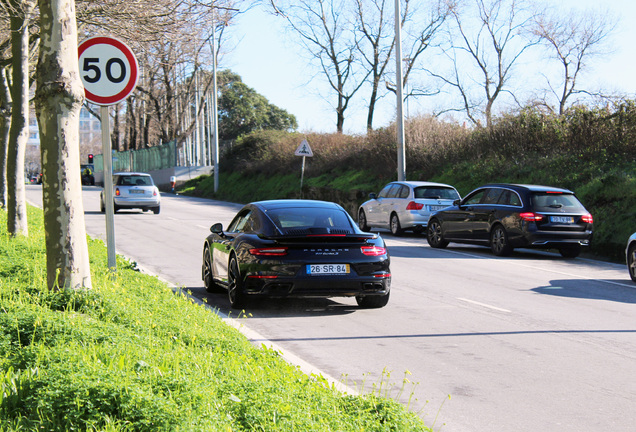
(58, 100)
(20, 12)
(5, 125)
(487, 39)
(573, 38)
(375, 46)
(327, 36)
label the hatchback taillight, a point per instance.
(117, 193)
(587, 218)
(414, 206)
(271, 251)
(155, 192)
(530, 217)
(373, 250)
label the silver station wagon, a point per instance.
(405, 205)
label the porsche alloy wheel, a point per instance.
(235, 285)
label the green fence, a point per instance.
(143, 160)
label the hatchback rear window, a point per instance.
(549, 202)
(134, 181)
(436, 192)
(307, 218)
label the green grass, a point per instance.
(132, 355)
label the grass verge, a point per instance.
(132, 355)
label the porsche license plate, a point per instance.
(327, 269)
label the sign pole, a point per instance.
(108, 188)
(109, 72)
(302, 175)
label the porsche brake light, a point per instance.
(530, 217)
(414, 206)
(373, 250)
(270, 251)
(587, 218)
(383, 275)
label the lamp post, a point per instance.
(401, 159)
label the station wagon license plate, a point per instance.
(562, 219)
(327, 269)
(437, 207)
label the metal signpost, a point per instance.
(303, 150)
(109, 71)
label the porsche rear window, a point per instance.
(306, 218)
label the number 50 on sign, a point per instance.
(108, 69)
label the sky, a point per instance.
(271, 63)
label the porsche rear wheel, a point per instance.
(235, 292)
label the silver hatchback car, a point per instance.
(133, 190)
(405, 205)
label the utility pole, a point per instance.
(401, 157)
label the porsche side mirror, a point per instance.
(217, 228)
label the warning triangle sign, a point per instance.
(304, 149)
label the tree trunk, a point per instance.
(58, 101)
(19, 131)
(5, 124)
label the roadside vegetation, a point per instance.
(590, 151)
(132, 355)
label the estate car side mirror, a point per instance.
(217, 228)
(457, 203)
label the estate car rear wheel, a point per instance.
(396, 228)
(631, 261)
(362, 221)
(499, 241)
(434, 235)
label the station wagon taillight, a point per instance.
(414, 206)
(530, 217)
(373, 250)
(270, 251)
(587, 218)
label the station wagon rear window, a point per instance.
(556, 202)
(435, 192)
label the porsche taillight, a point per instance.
(269, 251)
(373, 250)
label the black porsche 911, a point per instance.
(296, 248)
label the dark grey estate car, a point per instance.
(506, 216)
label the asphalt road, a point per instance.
(532, 342)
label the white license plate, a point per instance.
(133, 191)
(327, 269)
(562, 219)
(437, 207)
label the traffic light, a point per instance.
(90, 158)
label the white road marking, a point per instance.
(483, 305)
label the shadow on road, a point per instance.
(276, 307)
(573, 288)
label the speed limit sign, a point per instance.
(108, 69)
